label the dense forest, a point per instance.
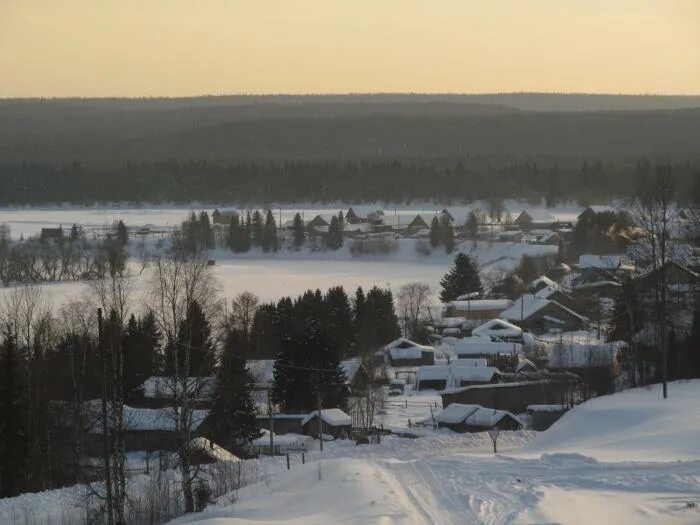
(340, 147)
(324, 181)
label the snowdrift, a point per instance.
(634, 425)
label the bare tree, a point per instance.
(655, 212)
(179, 280)
(243, 308)
(413, 302)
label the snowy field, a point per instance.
(447, 478)
(271, 276)
(29, 220)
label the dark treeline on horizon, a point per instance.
(324, 181)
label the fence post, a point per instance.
(407, 403)
(288, 462)
(303, 458)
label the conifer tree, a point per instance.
(297, 231)
(339, 320)
(257, 228)
(193, 341)
(269, 242)
(448, 233)
(233, 409)
(141, 350)
(205, 233)
(471, 227)
(463, 278)
(335, 234)
(435, 233)
(121, 234)
(13, 402)
(248, 230)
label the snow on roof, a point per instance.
(601, 208)
(143, 419)
(433, 373)
(284, 440)
(165, 387)
(477, 305)
(473, 347)
(472, 373)
(450, 322)
(524, 363)
(472, 415)
(404, 349)
(332, 416)
(351, 367)
(262, 370)
(607, 262)
(498, 328)
(539, 215)
(212, 450)
(528, 305)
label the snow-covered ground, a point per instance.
(648, 471)
(271, 276)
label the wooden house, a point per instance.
(475, 418)
(334, 421)
(402, 352)
(476, 309)
(540, 315)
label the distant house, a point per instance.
(595, 281)
(534, 219)
(351, 217)
(477, 309)
(482, 348)
(147, 429)
(617, 264)
(51, 234)
(334, 421)
(499, 330)
(453, 375)
(162, 391)
(262, 371)
(540, 315)
(282, 423)
(403, 352)
(356, 375)
(282, 444)
(546, 288)
(419, 222)
(591, 211)
(475, 418)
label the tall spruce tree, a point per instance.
(339, 320)
(471, 227)
(297, 231)
(13, 418)
(257, 229)
(335, 234)
(193, 341)
(233, 410)
(269, 241)
(121, 233)
(435, 232)
(141, 350)
(448, 233)
(463, 278)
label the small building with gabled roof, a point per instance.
(475, 418)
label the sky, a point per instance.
(59, 48)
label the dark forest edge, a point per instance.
(330, 181)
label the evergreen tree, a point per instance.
(297, 231)
(74, 233)
(247, 239)
(257, 228)
(193, 341)
(205, 233)
(472, 225)
(448, 233)
(463, 278)
(236, 234)
(435, 233)
(233, 410)
(335, 234)
(339, 320)
(121, 233)
(141, 350)
(269, 241)
(13, 418)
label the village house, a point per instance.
(282, 423)
(475, 418)
(499, 330)
(51, 234)
(334, 422)
(591, 211)
(476, 309)
(356, 375)
(536, 219)
(595, 282)
(281, 444)
(540, 315)
(548, 289)
(440, 377)
(163, 391)
(403, 352)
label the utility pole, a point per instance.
(105, 426)
(320, 421)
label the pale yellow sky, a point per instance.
(191, 47)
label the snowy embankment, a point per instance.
(634, 425)
(626, 458)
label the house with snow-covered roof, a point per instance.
(476, 309)
(475, 418)
(334, 422)
(540, 315)
(594, 209)
(499, 330)
(536, 219)
(402, 352)
(440, 377)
